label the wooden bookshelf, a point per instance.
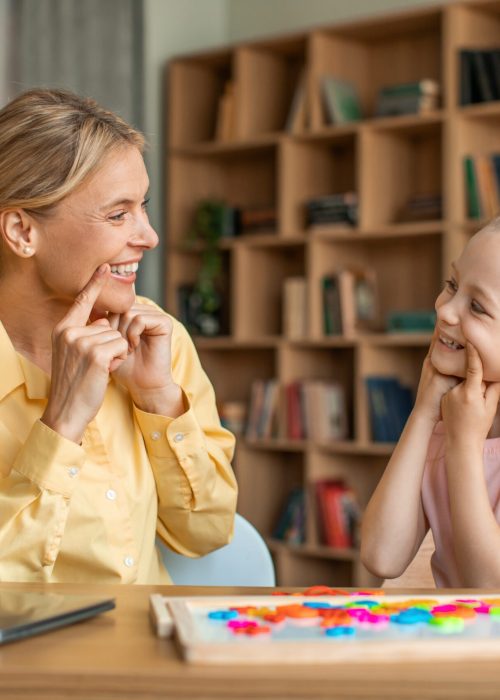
(386, 161)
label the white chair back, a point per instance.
(245, 561)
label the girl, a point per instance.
(444, 473)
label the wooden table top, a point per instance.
(118, 656)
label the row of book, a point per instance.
(390, 403)
(479, 75)
(482, 185)
(308, 409)
(350, 301)
(339, 514)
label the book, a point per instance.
(341, 100)
(479, 75)
(297, 118)
(472, 189)
(338, 513)
(395, 105)
(290, 526)
(418, 88)
(332, 208)
(332, 315)
(294, 308)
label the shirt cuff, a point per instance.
(180, 437)
(50, 460)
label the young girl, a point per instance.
(444, 473)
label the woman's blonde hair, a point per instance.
(50, 141)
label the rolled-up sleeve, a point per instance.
(191, 460)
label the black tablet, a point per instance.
(24, 614)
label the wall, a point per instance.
(249, 19)
(4, 51)
(170, 27)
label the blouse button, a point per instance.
(111, 495)
(156, 435)
(129, 561)
(178, 437)
(73, 471)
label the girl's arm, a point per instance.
(394, 524)
(468, 412)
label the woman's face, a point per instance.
(103, 221)
(468, 309)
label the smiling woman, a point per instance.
(109, 431)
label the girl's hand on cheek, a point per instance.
(147, 371)
(469, 408)
(432, 387)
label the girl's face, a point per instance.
(468, 309)
(103, 221)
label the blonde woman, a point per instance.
(109, 433)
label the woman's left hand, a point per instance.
(147, 371)
(469, 408)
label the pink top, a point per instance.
(436, 505)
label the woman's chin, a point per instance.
(115, 303)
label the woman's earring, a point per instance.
(27, 250)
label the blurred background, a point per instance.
(116, 51)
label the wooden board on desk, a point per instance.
(298, 641)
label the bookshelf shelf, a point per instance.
(231, 137)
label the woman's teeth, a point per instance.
(451, 344)
(124, 269)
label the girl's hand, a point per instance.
(147, 371)
(432, 387)
(469, 408)
(82, 358)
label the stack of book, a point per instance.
(257, 219)
(479, 75)
(340, 208)
(390, 403)
(408, 98)
(263, 411)
(339, 514)
(482, 185)
(291, 525)
(422, 207)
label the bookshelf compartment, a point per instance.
(185, 271)
(399, 165)
(266, 479)
(260, 273)
(375, 54)
(312, 168)
(242, 178)
(395, 264)
(304, 570)
(198, 84)
(268, 75)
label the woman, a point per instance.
(109, 433)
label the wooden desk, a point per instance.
(118, 656)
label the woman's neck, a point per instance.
(29, 320)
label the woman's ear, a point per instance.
(19, 231)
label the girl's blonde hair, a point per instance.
(50, 141)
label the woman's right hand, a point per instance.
(432, 387)
(82, 358)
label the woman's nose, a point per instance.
(146, 236)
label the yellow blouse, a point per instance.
(89, 513)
